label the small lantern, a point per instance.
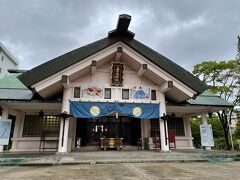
(40, 114)
(210, 114)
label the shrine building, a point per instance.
(113, 89)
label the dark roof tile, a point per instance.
(57, 64)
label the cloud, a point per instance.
(185, 31)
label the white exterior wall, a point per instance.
(102, 76)
(6, 63)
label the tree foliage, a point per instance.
(195, 122)
(237, 131)
(223, 78)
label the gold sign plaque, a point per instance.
(117, 74)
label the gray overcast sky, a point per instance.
(186, 31)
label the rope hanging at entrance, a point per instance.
(100, 109)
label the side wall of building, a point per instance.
(5, 64)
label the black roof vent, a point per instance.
(122, 27)
(16, 71)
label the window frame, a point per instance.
(110, 90)
(37, 124)
(125, 90)
(75, 93)
(155, 94)
(178, 125)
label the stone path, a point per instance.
(129, 171)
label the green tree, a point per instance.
(237, 131)
(216, 126)
(222, 78)
(195, 122)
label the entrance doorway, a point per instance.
(91, 130)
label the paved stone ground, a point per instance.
(130, 171)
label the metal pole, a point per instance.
(165, 132)
(63, 130)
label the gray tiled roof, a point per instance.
(208, 99)
(15, 94)
(57, 64)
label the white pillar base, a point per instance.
(165, 151)
(62, 150)
(1, 148)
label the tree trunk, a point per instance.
(226, 139)
(224, 122)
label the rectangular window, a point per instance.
(153, 95)
(34, 125)
(2, 58)
(77, 91)
(177, 125)
(154, 132)
(107, 93)
(125, 93)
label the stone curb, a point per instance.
(59, 163)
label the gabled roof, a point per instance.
(120, 34)
(208, 98)
(13, 89)
(15, 94)
(12, 82)
(59, 63)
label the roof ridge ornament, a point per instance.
(122, 27)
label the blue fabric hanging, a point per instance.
(139, 110)
(91, 109)
(100, 109)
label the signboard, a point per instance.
(5, 128)
(117, 74)
(206, 135)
